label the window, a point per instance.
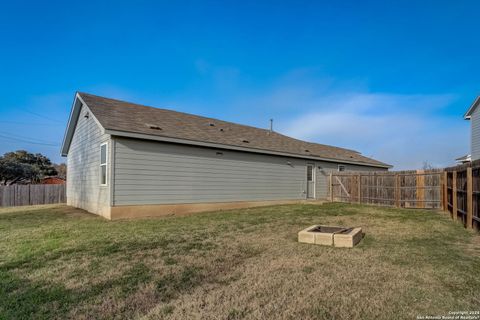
(103, 164)
(341, 167)
(309, 173)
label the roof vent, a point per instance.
(211, 124)
(221, 129)
(245, 141)
(306, 150)
(154, 127)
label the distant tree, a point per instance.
(61, 170)
(22, 166)
(427, 166)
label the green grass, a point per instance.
(60, 262)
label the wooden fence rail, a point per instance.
(34, 194)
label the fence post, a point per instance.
(445, 191)
(359, 188)
(420, 189)
(397, 190)
(454, 195)
(469, 223)
(331, 187)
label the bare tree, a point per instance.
(427, 166)
(61, 170)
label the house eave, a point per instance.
(142, 136)
(72, 122)
(472, 108)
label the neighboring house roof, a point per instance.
(472, 109)
(120, 118)
(465, 158)
(52, 180)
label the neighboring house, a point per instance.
(473, 114)
(127, 160)
(465, 159)
(52, 180)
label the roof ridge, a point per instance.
(176, 111)
(216, 119)
(132, 117)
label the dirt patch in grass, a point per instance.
(58, 262)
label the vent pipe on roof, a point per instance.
(271, 125)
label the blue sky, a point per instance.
(391, 79)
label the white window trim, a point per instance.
(341, 165)
(314, 180)
(104, 164)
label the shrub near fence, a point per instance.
(34, 194)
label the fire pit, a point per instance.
(331, 236)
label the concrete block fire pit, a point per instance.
(331, 236)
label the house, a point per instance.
(473, 114)
(52, 180)
(128, 160)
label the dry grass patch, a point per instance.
(59, 262)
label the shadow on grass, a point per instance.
(25, 299)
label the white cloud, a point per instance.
(403, 130)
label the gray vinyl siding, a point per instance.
(83, 160)
(149, 172)
(475, 138)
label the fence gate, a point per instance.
(403, 189)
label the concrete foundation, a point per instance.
(164, 210)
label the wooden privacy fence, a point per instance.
(403, 189)
(455, 190)
(462, 194)
(34, 194)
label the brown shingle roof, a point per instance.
(129, 117)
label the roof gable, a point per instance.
(128, 119)
(77, 106)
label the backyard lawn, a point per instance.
(59, 262)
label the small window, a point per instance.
(341, 167)
(309, 173)
(103, 164)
